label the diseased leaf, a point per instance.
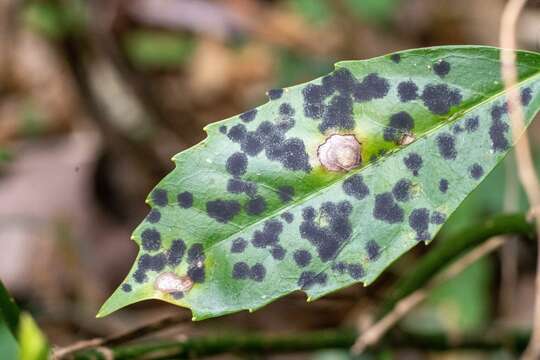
(250, 214)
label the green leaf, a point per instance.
(250, 214)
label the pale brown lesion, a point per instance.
(340, 153)
(169, 282)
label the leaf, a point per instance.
(250, 214)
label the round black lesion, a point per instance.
(237, 164)
(126, 288)
(355, 271)
(240, 271)
(413, 162)
(151, 239)
(176, 252)
(396, 58)
(407, 91)
(373, 250)
(400, 123)
(441, 68)
(419, 222)
(159, 197)
(238, 245)
(275, 94)
(255, 206)
(222, 210)
(401, 190)
(443, 185)
(446, 143)
(278, 252)
(386, 209)
(302, 257)
(223, 129)
(249, 115)
(476, 171)
(153, 216)
(286, 193)
(185, 199)
(308, 279)
(439, 98)
(288, 217)
(257, 272)
(356, 187)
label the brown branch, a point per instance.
(526, 170)
(375, 332)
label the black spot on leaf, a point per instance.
(275, 94)
(407, 91)
(308, 279)
(395, 58)
(386, 209)
(356, 271)
(338, 114)
(256, 206)
(196, 273)
(401, 190)
(159, 197)
(476, 171)
(413, 162)
(238, 245)
(440, 98)
(313, 101)
(151, 239)
(185, 199)
(441, 68)
(154, 216)
(237, 133)
(471, 124)
(499, 128)
(240, 271)
(400, 123)
(526, 96)
(237, 186)
(195, 253)
(286, 109)
(237, 164)
(269, 236)
(222, 210)
(249, 115)
(126, 287)
(437, 218)
(278, 252)
(419, 222)
(373, 250)
(286, 193)
(302, 258)
(149, 263)
(372, 87)
(355, 186)
(443, 185)
(257, 272)
(447, 146)
(176, 252)
(223, 129)
(288, 217)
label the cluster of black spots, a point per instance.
(269, 236)
(149, 263)
(373, 250)
(177, 295)
(223, 129)
(286, 193)
(472, 123)
(338, 114)
(443, 185)
(249, 115)
(402, 189)
(372, 87)
(340, 267)
(278, 252)
(288, 217)
(286, 109)
(526, 96)
(313, 101)
(386, 209)
(176, 252)
(457, 129)
(396, 58)
(437, 218)
(340, 80)
(238, 245)
(476, 171)
(447, 146)
(441, 68)
(153, 216)
(271, 138)
(222, 210)
(151, 239)
(407, 91)
(327, 239)
(242, 271)
(308, 279)
(499, 128)
(356, 187)
(400, 123)
(356, 271)
(126, 288)
(440, 98)
(237, 164)
(302, 258)
(159, 197)
(185, 199)
(237, 186)
(195, 257)
(419, 222)
(255, 206)
(275, 94)
(413, 162)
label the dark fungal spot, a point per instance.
(151, 239)
(443, 185)
(338, 114)
(447, 146)
(286, 193)
(407, 91)
(526, 96)
(154, 216)
(286, 109)
(341, 80)
(249, 115)
(401, 190)
(396, 58)
(257, 272)
(499, 128)
(327, 239)
(237, 133)
(222, 210)
(177, 295)
(372, 87)
(471, 124)
(356, 271)
(196, 273)
(437, 218)
(269, 236)
(476, 171)
(278, 252)
(356, 187)
(313, 101)
(185, 199)
(237, 186)
(302, 258)
(237, 164)
(413, 162)
(149, 263)
(240, 271)
(457, 129)
(238, 245)
(441, 68)
(275, 94)
(126, 287)
(176, 252)
(419, 222)
(195, 253)
(340, 267)
(386, 209)
(223, 129)
(288, 217)
(400, 123)
(255, 206)
(440, 98)
(159, 197)
(309, 279)
(373, 250)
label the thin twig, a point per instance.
(526, 170)
(137, 333)
(374, 333)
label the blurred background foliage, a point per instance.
(96, 97)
